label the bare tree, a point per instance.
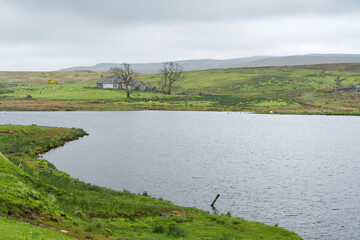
(171, 73)
(126, 75)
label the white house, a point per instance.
(112, 82)
(108, 82)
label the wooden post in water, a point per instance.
(213, 202)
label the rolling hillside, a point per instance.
(287, 89)
(188, 65)
(303, 60)
(257, 61)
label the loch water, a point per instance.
(299, 172)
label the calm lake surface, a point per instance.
(300, 172)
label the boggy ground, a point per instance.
(39, 202)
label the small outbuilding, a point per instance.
(137, 85)
(148, 87)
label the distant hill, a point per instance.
(188, 65)
(347, 67)
(257, 61)
(302, 60)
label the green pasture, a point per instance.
(15, 230)
(58, 92)
(241, 81)
(83, 77)
(291, 89)
(260, 81)
(77, 92)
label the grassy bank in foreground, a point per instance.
(60, 207)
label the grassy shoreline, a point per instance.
(66, 107)
(33, 191)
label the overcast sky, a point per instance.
(53, 34)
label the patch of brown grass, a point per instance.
(35, 106)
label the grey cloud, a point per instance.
(119, 12)
(54, 34)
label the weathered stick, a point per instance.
(216, 198)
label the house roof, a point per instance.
(136, 83)
(108, 79)
(148, 85)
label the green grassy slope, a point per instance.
(290, 89)
(248, 81)
(15, 230)
(41, 77)
(76, 97)
(33, 191)
(267, 80)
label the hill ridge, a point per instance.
(254, 61)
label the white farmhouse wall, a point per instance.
(108, 85)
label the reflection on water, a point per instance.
(300, 172)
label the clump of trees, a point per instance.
(126, 75)
(171, 73)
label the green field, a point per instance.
(292, 89)
(39, 202)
